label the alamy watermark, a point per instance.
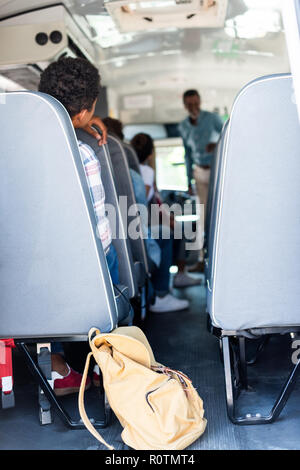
(157, 221)
(296, 353)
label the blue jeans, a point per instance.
(161, 276)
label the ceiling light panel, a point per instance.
(142, 15)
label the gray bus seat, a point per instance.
(211, 212)
(54, 283)
(52, 263)
(257, 226)
(120, 241)
(124, 188)
(253, 284)
(132, 157)
(214, 180)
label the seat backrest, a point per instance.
(213, 183)
(124, 187)
(254, 280)
(213, 201)
(54, 279)
(132, 158)
(120, 240)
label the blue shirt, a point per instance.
(195, 139)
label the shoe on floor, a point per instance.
(70, 383)
(183, 280)
(168, 303)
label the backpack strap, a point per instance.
(93, 331)
(82, 411)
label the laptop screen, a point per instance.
(170, 165)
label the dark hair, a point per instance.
(73, 82)
(143, 145)
(115, 126)
(189, 93)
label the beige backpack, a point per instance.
(158, 407)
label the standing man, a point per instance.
(197, 132)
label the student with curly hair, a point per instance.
(76, 84)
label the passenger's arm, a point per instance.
(218, 126)
(96, 121)
(152, 161)
(147, 189)
(148, 177)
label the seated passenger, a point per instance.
(164, 302)
(76, 84)
(160, 252)
(144, 147)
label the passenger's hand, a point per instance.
(96, 121)
(210, 147)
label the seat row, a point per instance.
(55, 283)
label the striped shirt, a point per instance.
(93, 174)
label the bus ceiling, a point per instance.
(148, 51)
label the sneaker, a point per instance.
(96, 376)
(168, 303)
(70, 383)
(183, 280)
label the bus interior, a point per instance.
(239, 338)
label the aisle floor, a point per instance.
(181, 341)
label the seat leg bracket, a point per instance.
(49, 394)
(256, 418)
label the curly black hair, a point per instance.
(143, 145)
(73, 82)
